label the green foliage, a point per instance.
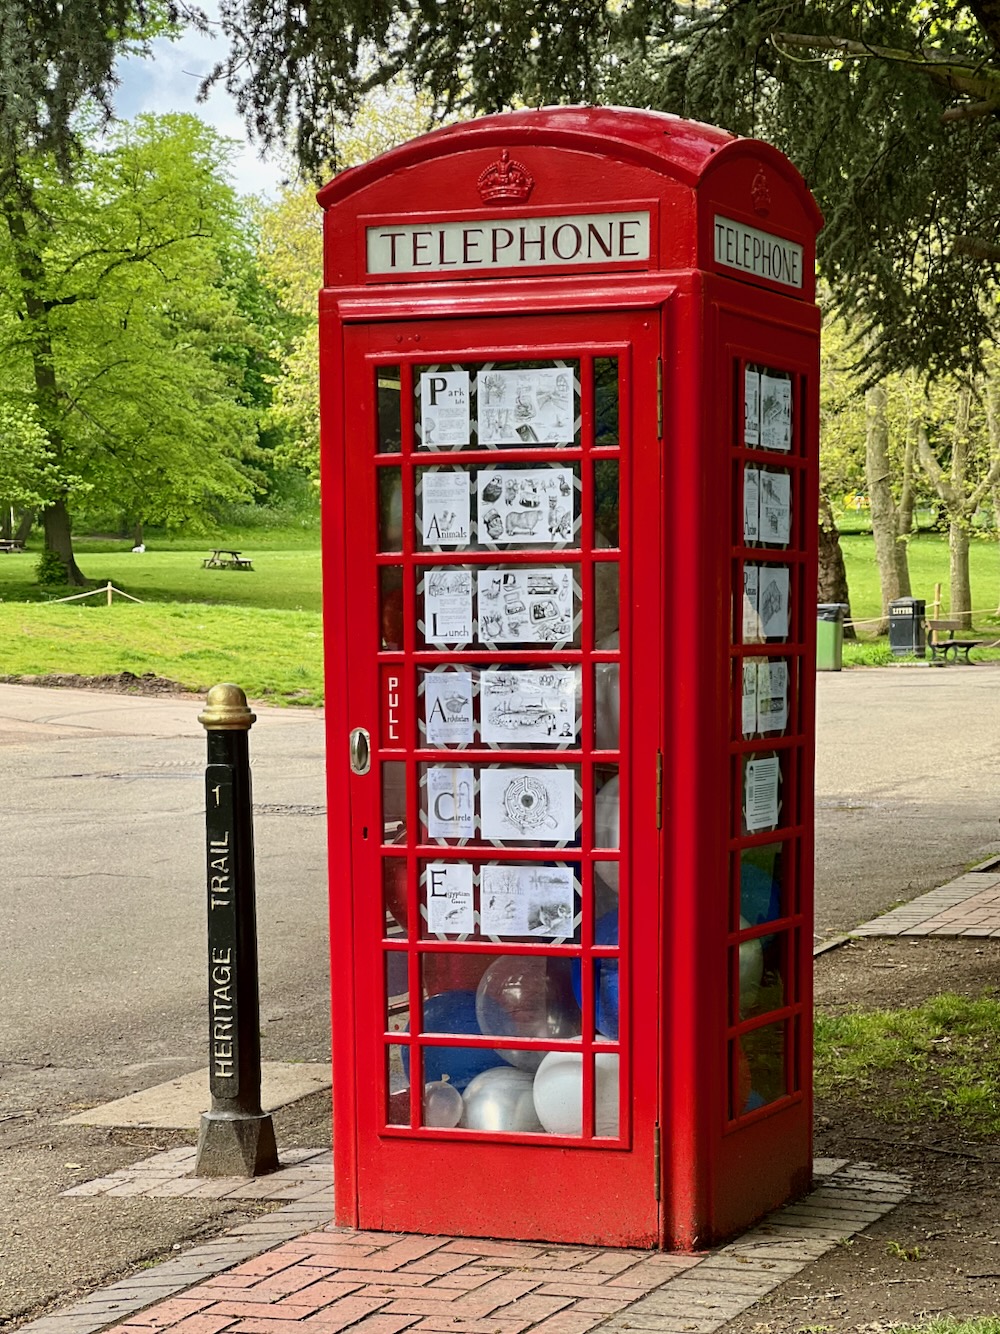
(940, 1059)
(50, 570)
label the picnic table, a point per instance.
(10, 544)
(222, 558)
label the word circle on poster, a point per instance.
(451, 802)
(526, 901)
(445, 519)
(535, 708)
(448, 895)
(448, 708)
(533, 505)
(533, 805)
(526, 407)
(445, 416)
(525, 606)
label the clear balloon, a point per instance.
(527, 997)
(442, 1105)
(606, 828)
(558, 1093)
(500, 1100)
(451, 1012)
(607, 699)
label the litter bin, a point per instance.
(830, 636)
(906, 627)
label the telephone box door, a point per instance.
(502, 478)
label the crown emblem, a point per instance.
(760, 194)
(505, 180)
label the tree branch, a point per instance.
(957, 75)
(974, 247)
(932, 468)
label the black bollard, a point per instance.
(237, 1136)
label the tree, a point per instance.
(115, 309)
(891, 109)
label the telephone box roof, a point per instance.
(684, 150)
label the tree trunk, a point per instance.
(24, 525)
(137, 533)
(958, 533)
(890, 552)
(831, 586)
(7, 522)
(58, 539)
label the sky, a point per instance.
(169, 80)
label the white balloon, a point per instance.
(751, 969)
(607, 699)
(606, 829)
(442, 1105)
(558, 1093)
(500, 1100)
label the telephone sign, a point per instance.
(569, 459)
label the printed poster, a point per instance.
(749, 696)
(449, 898)
(775, 507)
(532, 805)
(526, 901)
(527, 505)
(775, 412)
(525, 606)
(448, 606)
(751, 506)
(527, 707)
(451, 809)
(772, 696)
(444, 510)
(751, 407)
(448, 708)
(772, 601)
(760, 808)
(751, 621)
(526, 407)
(444, 408)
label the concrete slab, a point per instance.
(179, 1103)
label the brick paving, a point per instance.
(292, 1272)
(968, 906)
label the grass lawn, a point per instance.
(262, 628)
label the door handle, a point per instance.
(361, 750)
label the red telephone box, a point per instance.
(569, 395)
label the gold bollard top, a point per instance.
(226, 710)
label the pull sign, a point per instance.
(361, 751)
(393, 711)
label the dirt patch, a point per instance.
(939, 1252)
(122, 683)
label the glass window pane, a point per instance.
(764, 1049)
(606, 400)
(397, 1083)
(390, 433)
(606, 503)
(391, 607)
(390, 509)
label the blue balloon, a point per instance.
(760, 894)
(605, 977)
(452, 1012)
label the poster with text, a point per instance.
(533, 805)
(749, 696)
(775, 412)
(751, 506)
(760, 810)
(444, 509)
(448, 606)
(751, 620)
(530, 708)
(448, 708)
(751, 407)
(772, 696)
(527, 505)
(444, 409)
(775, 507)
(772, 601)
(526, 606)
(451, 806)
(526, 407)
(449, 898)
(526, 901)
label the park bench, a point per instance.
(943, 649)
(224, 559)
